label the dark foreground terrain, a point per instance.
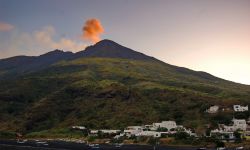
(56, 145)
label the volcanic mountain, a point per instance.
(108, 86)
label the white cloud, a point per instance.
(4, 27)
(38, 42)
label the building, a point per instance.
(223, 135)
(93, 133)
(248, 121)
(165, 124)
(149, 133)
(133, 130)
(238, 124)
(190, 132)
(104, 131)
(150, 128)
(227, 132)
(107, 131)
(213, 109)
(239, 108)
(79, 127)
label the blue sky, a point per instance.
(211, 36)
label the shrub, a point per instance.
(237, 135)
(153, 141)
(181, 136)
(7, 135)
(91, 138)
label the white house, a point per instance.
(227, 128)
(79, 127)
(213, 109)
(239, 108)
(119, 135)
(133, 130)
(240, 124)
(190, 132)
(227, 132)
(107, 131)
(93, 132)
(166, 124)
(150, 127)
(223, 134)
(248, 121)
(149, 133)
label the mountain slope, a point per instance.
(110, 49)
(106, 90)
(20, 65)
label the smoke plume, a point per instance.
(92, 30)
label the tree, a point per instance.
(240, 115)
(162, 129)
(219, 143)
(181, 135)
(91, 138)
(237, 135)
(226, 137)
(208, 132)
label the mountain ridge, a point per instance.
(104, 48)
(111, 49)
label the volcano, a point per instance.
(108, 85)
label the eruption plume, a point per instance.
(92, 30)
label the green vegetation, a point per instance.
(7, 135)
(237, 135)
(113, 93)
(56, 133)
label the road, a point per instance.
(62, 145)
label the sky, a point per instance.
(203, 35)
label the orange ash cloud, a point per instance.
(92, 30)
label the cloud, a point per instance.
(37, 42)
(44, 38)
(92, 30)
(5, 27)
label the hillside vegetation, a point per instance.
(102, 92)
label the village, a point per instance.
(155, 130)
(237, 129)
(227, 132)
